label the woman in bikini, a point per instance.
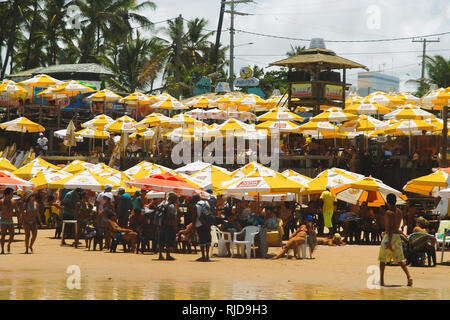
(30, 220)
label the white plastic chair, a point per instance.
(302, 249)
(248, 243)
(219, 239)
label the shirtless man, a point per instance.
(391, 245)
(114, 230)
(7, 206)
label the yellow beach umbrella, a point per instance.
(297, 177)
(32, 168)
(169, 103)
(431, 184)
(72, 87)
(249, 102)
(123, 124)
(84, 180)
(11, 88)
(77, 166)
(332, 178)
(368, 189)
(409, 112)
(211, 177)
(104, 95)
(22, 124)
(257, 183)
(234, 125)
(199, 102)
(6, 165)
(181, 120)
(364, 106)
(92, 134)
(281, 126)
(384, 99)
(98, 122)
(363, 123)
(42, 81)
(143, 133)
(436, 98)
(43, 178)
(151, 120)
(333, 115)
(280, 113)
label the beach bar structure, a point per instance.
(311, 79)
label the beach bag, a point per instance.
(161, 215)
(206, 217)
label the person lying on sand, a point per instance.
(335, 241)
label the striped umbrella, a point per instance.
(363, 123)
(181, 120)
(280, 113)
(368, 189)
(249, 102)
(281, 126)
(98, 122)
(384, 99)
(431, 184)
(8, 180)
(297, 177)
(43, 178)
(333, 115)
(332, 178)
(32, 168)
(22, 124)
(151, 120)
(436, 98)
(364, 106)
(409, 112)
(199, 102)
(42, 81)
(11, 88)
(84, 180)
(69, 139)
(123, 124)
(169, 103)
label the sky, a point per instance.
(330, 20)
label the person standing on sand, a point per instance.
(203, 231)
(168, 228)
(7, 206)
(30, 219)
(328, 200)
(391, 245)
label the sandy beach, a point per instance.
(333, 273)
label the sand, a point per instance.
(333, 273)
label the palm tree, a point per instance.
(12, 20)
(295, 51)
(135, 64)
(438, 69)
(110, 19)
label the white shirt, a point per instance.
(42, 141)
(199, 205)
(101, 201)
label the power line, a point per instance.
(344, 53)
(343, 41)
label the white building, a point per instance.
(375, 81)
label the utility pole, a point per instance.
(424, 41)
(178, 44)
(232, 13)
(218, 34)
(444, 136)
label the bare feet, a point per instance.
(410, 282)
(201, 259)
(170, 258)
(9, 248)
(160, 258)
